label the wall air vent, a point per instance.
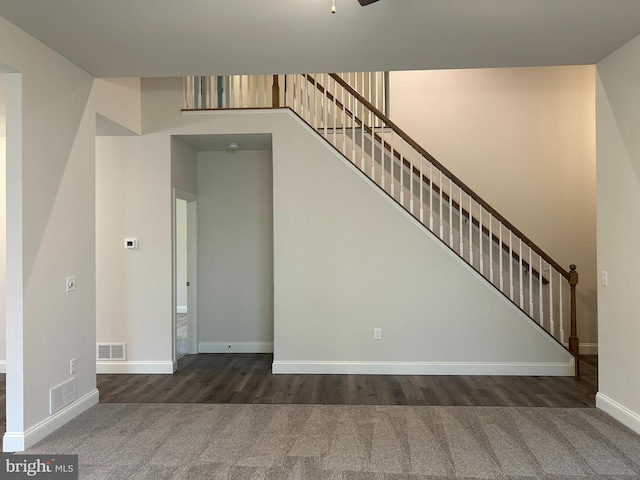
(62, 395)
(111, 351)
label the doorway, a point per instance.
(185, 274)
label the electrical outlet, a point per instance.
(71, 284)
(72, 366)
(377, 334)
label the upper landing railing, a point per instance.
(356, 125)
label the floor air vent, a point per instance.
(112, 351)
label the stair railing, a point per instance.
(427, 190)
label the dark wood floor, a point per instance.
(247, 378)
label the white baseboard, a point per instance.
(235, 347)
(181, 309)
(20, 441)
(423, 368)
(135, 367)
(619, 412)
(587, 348)
(3, 366)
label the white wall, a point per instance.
(50, 234)
(184, 167)
(3, 257)
(307, 300)
(134, 293)
(235, 251)
(524, 140)
(618, 107)
(120, 106)
(348, 260)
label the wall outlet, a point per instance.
(71, 284)
(377, 334)
(72, 366)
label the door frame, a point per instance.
(192, 272)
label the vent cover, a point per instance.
(111, 351)
(62, 395)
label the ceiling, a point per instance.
(147, 38)
(221, 142)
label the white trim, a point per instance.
(181, 309)
(235, 347)
(135, 367)
(20, 441)
(586, 348)
(619, 412)
(423, 368)
(3, 366)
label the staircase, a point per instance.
(354, 125)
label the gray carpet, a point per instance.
(344, 442)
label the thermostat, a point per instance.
(131, 243)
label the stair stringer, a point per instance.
(348, 259)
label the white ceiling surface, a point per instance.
(150, 38)
(211, 143)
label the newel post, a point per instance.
(574, 343)
(275, 93)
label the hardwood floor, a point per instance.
(247, 378)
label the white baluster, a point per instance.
(353, 107)
(540, 294)
(460, 222)
(305, 94)
(530, 282)
(382, 156)
(450, 214)
(520, 276)
(240, 92)
(344, 124)
(257, 91)
(402, 174)
(510, 266)
(561, 284)
(440, 211)
(552, 328)
(421, 187)
(325, 85)
(480, 239)
(470, 230)
(373, 149)
(491, 247)
(362, 139)
(392, 161)
(266, 91)
(335, 112)
(500, 250)
(375, 79)
(315, 101)
(431, 196)
(411, 180)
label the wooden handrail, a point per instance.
(425, 179)
(436, 188)
(571, 277)
(402, 134)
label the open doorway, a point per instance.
(185, 274)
